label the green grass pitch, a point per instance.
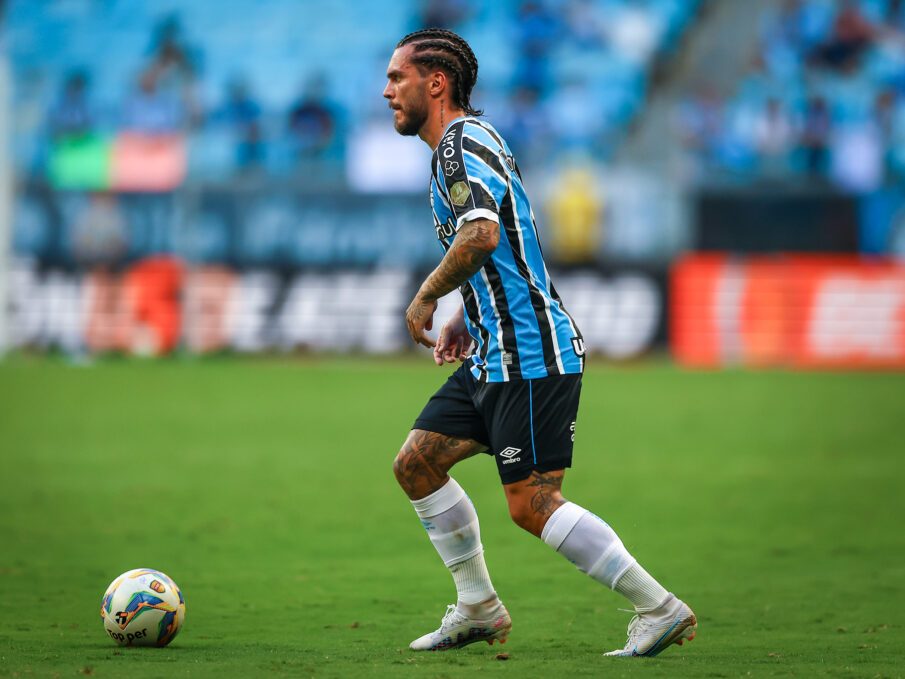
(774, 503)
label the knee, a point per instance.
(417, 475)
(402, 467)
(525, 517)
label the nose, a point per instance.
(387, 91)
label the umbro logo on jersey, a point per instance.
(450, 167)
(510, 454)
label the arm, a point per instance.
(472, 246)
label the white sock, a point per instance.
(645, 593)
(451, 522)
(588, 542)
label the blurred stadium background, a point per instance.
(720, 180)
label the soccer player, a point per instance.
(516, 394)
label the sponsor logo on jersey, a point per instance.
(459, 192)
(447, 149)
(450, 167)
(578, 346)
(510, 454)
(447, 230)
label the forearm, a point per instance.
(471, 248)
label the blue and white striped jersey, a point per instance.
(518, 322)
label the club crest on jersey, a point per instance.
(459, 193)
(447, 230)
(450, 167)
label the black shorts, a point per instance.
(526, 425)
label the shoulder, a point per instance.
(451, 141)
(484, 133)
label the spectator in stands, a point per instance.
(525, 126)
(536, 33)
(857, 156)
(782, 38)
(99, 234)
(698, 121)
(584, 23)
(312, 123)
(774, 136)
(886, 114)
(893, 126)
(173, 66)
(72, 115)
(243, 116)
(444, 13)
(894, 19)
(815, 136)
(851, 35)
(575, 213)
(151, 111)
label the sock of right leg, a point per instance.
(452, 525)
(588, 542)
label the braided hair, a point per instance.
(449, 52)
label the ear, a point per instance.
(437, 83)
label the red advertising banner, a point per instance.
(148, 163)
(138, 312)
(800, 311)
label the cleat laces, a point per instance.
(637, 627)
(451, 619)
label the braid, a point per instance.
(444, 49)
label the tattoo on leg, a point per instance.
(426, 460)
(546, 498)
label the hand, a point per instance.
(454, 341)
(420, 317)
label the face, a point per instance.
(406, 91)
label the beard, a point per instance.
(412, 122)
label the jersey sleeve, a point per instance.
(471, 186)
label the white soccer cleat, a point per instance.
(649, 633)
(458, 629)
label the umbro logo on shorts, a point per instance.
(510, 454)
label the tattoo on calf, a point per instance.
(543, 501)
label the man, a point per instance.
(516, 394)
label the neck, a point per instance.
(443, 114)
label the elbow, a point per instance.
(492, 237)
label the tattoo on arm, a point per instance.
(470, 249)
(546, 498)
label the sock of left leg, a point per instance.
(451, 522)
(588, 542)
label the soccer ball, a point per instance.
(142, 607)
